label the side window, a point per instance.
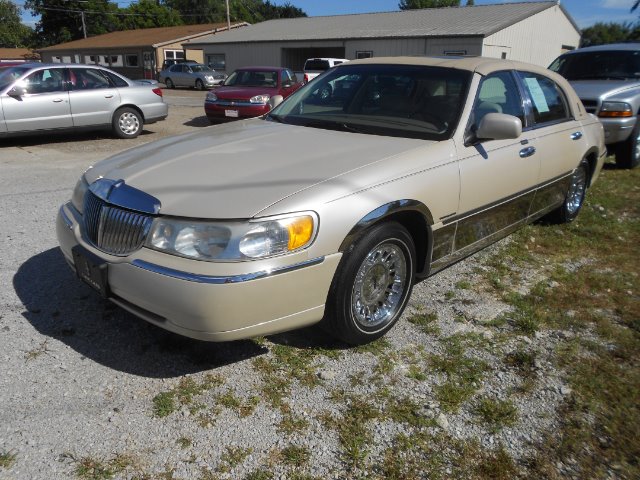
(498, 93)
(547, 99)
(87, 79)
(285, 76)
(48, 80)
(175, 68)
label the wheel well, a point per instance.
(134, 107)
(592, 158)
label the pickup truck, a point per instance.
(315, 66)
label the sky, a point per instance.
(584, 12)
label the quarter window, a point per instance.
(547, 99)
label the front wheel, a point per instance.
(574, 198)
(169, 83)
(127, 123)
(199, 85)
(628, 153)
(372, 285)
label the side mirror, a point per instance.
(275, 101)
(286, 84)
(17, 92)
(499, 126)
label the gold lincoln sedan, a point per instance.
(331, 207)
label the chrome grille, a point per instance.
(113, 229)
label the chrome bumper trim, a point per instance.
(67, 221)
(215, 280)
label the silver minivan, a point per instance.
(42, 97)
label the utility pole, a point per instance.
(228, 16)
(84, 25)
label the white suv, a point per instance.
(315, 66)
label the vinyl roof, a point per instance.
(479, 20)
(143, 37)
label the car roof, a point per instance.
(262, 68)
(481, 65)
(608, 47)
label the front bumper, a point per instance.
(617, 130)
(209, 301)
(244, 110)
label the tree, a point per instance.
(470, 3)
(214, 11)
(414, 4)
(602, 33)
(147, 14)
(12, 32)
(61, 20)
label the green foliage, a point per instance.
(601, 33)
(415, 4)
(12, 32)
(214, 11)
(148, 14)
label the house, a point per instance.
(18, 55)
(135, 53)
(534, 32)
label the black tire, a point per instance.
(169, 83)
(372, 285)
(574, 198)
(127, 123)
(628, 153)
(199, 85)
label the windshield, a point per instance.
(252, 78)
(599, 65)
(200, 68)
(316, 65)
(391, 100)
(9, 74)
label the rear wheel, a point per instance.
(169, 83)
(127, 123)
(372, 285)
(628, 153)
(574, 198)
(199, 85)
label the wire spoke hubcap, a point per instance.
(576, 190)
(379, 286)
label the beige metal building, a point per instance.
(135, 53)
(534, 32)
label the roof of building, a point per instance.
(17, 54)
(144, 37)
(479, 20)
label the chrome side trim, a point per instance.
(215, 280)
(67, 221)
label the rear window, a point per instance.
(317, 64)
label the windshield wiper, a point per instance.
(331, 125)
(275, 118)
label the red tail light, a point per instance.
(157, 91)
(306, 78)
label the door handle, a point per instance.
(527, 152)
(57, 100)
(576, 135)
(108, 96)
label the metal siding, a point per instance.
(538, 39)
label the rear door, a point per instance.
(93, 97)
(45, 105)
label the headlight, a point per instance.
(615, 109)
(209, 77)
(264, 98)
(77, 198)
(211, 97)
(233, 241)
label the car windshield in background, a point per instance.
(600, 65)
(200, 68)
(8, 75)
(316, 65)
(252, 78)
(392, 100)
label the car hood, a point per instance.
(594, 89)
(244, 92)
(239, 169)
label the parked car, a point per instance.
(41, 97)
(246, 92)
(194, 75)
(330, 211)
(315, 66)
(607, 80)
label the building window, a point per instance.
(217, 61)
(91, 59)
(131, 60)
(504, 55)
(454, 53)
(174, 54)
(56, 59)
(114, 60)
(364, 54)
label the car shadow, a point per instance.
(60, 306)
(61, 137)
(201, 121)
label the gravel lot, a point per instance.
(82, 382)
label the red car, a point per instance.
(246, 92)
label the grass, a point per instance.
(295, 455)
(427, 322)
(36, 352)
(232, 457)
(7, 459)
(88, 468)
(165, 403)
(497, 413)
